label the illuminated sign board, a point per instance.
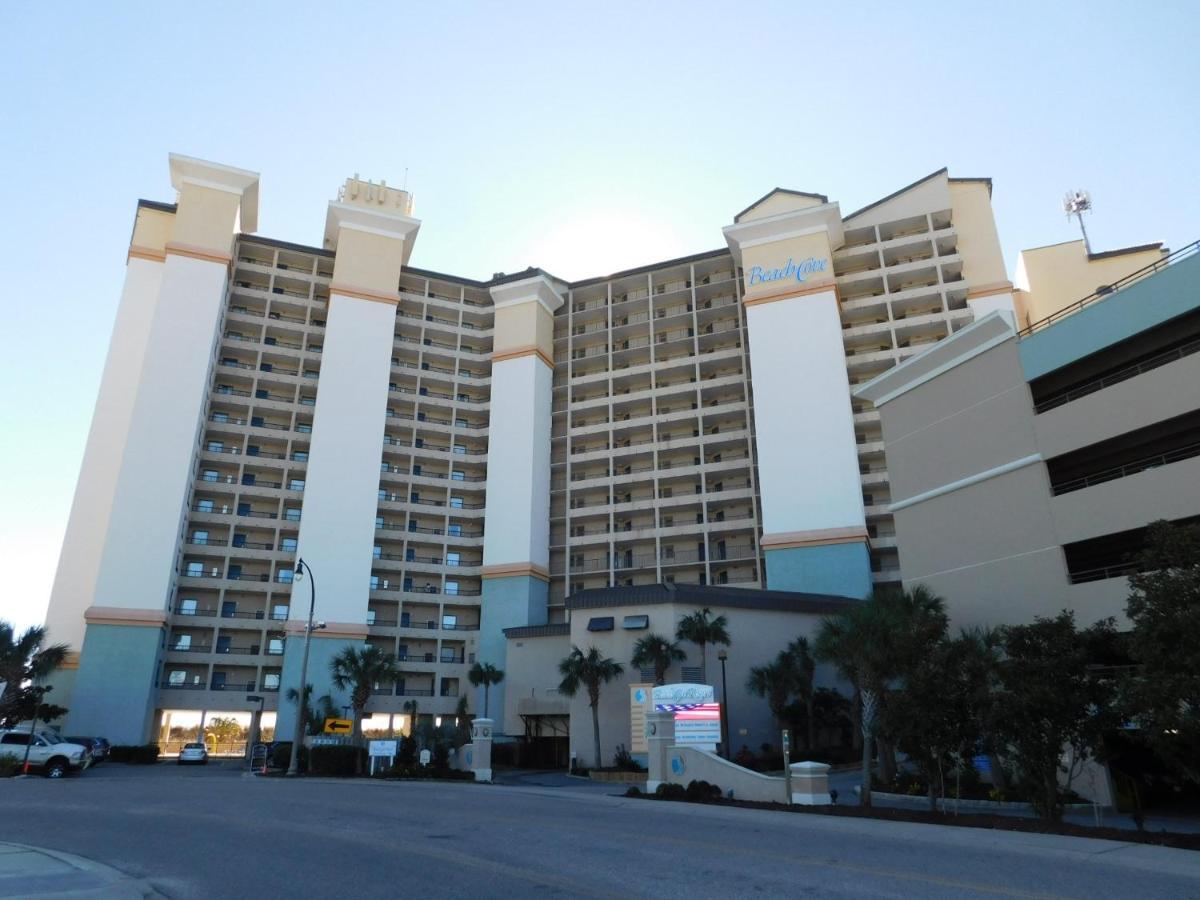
(793, 270)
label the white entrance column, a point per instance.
(87, 527)
(372, 232)
(516, 542)
(814, 527)
(115, 685)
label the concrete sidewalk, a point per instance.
(36, 872)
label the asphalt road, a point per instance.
(212, 833)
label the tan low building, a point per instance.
(760, 624)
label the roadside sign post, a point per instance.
(382, 750)
(787, 765)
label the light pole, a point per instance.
(255, 725)
(722, 656)
(301, 712)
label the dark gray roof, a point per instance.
(779, 190)
(908, 187)
(531, 631)
(1105, 254)
(714, 595)
(155, 204)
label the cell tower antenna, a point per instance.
(406, 178)
(1076, 203)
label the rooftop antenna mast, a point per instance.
(1076, 203)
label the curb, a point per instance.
(38, 871)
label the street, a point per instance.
(211, 832)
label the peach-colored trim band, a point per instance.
(789, 294)
(70, 661)
(193, 252)
(362, 293)
(523, 351)
(342, 630)
(116, 615)
(986, 290)
(146, 253)
(817, 538)
(510, 570)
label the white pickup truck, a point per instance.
(48, 753)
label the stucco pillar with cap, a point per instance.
(660, 737)
(481, 749)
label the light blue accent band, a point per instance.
(320, 653)
(840, 569)
(507, 603)
(114, 693)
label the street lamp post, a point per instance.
(301, 712)
(722, 656)
(255, 725)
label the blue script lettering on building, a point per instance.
(759, 275)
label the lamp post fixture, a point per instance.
(309, 627)
(722, 656)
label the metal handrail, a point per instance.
(1110, 289)
(1103, 572)
(1117, 377)
(1133, 468)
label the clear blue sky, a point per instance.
(540, 134)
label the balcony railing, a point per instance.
(1133, 468)
(1117, 377)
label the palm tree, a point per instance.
(589, 670)
(872, 643)
(23, 662)
(313, 715)
(701, 629)
(414, 710)
(485, 674)
(657, 652)
(776, 681)
(358, 670)
(805, 671)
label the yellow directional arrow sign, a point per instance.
(338, 726)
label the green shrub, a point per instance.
(337, 759)
(669, 791)
(441, 756)
(9, 766)
(701, 792)
(281, 756)
(138, 754)
(416, 772)
(633, 791)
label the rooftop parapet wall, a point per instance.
(1141, 306)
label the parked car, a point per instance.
(48, 753)
(193, 754)
(98, 745)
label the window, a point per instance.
(195, 570)
(377, 552)
(288, 545)
(239, 540)
(458, 475)
(460, 449)
(374, 582)
(275, 646)
(215, 447)
(379, 521)
(292, 513)
(178, 676)
(187, 606)
(600, 623)
(370, 617)
(451, 587)
(182, 642)
(209, 475)
(452, 558)
(285, 576)
(635, 623)
(271, 681)
(220, 417)
(302, 456)
(456, 502)
(279, 612)
(454, 530)
(199, 537)
(296, 484)
(450, 622)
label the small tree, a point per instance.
(485, 674)
(656, 652)
(314, 716)
(589, 670)
(358, 670)
(1163, 698)
(1048, 702)
(702, 628)
(775, 681)
(805, 668)
(24, 661)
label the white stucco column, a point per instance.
(814, 527)
(516, 543)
